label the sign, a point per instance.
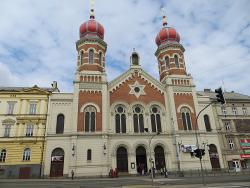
(188, 148)
(245, 144)
(245, 156)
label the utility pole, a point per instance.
(150, 157)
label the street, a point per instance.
(130, 182)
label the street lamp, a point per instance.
(150, 155)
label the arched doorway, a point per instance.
(159, 157)
(214, 157)
(122, 159)
(141, 159)
(57, 161)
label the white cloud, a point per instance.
(37, 39)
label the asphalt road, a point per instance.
(131, 182)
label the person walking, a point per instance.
(72, 174)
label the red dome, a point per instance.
(92, 28)
(167, 34)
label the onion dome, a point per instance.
(167, 34)
(92, 27)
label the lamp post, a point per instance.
(197, 141)
(150, 156)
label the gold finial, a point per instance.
(164, 17)
(92, 12)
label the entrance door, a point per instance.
(214, 157)
(159, 157)
(141, 159)
(122, 159)
(57, 162)
(24, 172)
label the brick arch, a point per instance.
(183, 106)
(90, 104)
(113, 105)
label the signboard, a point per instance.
(188, 148)
(245, 156)
(245, 144)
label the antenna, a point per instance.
(92, 12)
(164, 17)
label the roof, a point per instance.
(19, 89)
(228, 95)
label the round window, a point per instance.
(154, 110)
(120, 109)
(137, 89)
(137, 110)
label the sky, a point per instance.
(37, 39)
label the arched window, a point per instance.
(100, 58)
(91, 56)
(186, 119)
(167, 62)
(3, 155)
(26, 154)
(89, 155)
(90, 118)
(138, 119)
(60, 124)
(176, 60)
(81, 58)
(155, 119)
(135, 59)
(120, 119)
(207, 123)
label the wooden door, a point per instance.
(24, 172)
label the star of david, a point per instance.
(137, 89)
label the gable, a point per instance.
(136, 85)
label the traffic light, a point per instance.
(199, 153)
(219, 96)
(202, 152)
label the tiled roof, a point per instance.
(227, 95)
(13, 89)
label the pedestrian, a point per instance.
(72, 174)
(165, 172)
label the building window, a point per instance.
(167, 62)
(186, 119)
(138, 119)
(244, 111)
(207, 123)
(26, 154)
(11, 106)
(33, 108)
(81, 58)
(120, 120)
(89, 155)
(90, 118)
(60, 124)
(230, 144)
(3, 156)
(29, 130)
(234, 110)
(223, 110)
(7, 129)
(155, 119)
(91, 56)
(228, 127)
(176, 60)
(100, 58)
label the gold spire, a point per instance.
(92, 12)
(164, 17)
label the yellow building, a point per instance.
(23, 114)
